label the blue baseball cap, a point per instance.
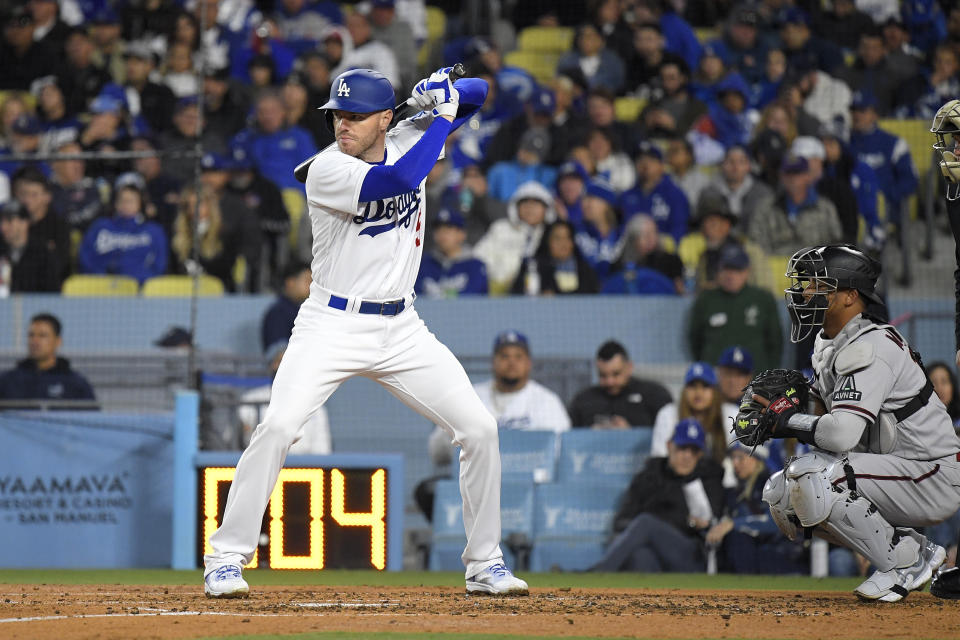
(689, 433)
(733, 256)
(450, 217)
(736, 357)
(647, 148)
(543, 101)
(600, 188)
(572, 168)
(26, 125)
(700, 371)
(104, 103)
(863, 100)
(795, 15)
(509, 338)
(213, 161)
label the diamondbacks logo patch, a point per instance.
(847, 391)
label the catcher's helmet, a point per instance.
(946, 124)
(359, 91)
(827, 268)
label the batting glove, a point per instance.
(442, 92)
(419, 98)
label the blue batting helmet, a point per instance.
(360, 91)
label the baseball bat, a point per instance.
(300, 173)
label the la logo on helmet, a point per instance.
(343, 89)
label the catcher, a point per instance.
(885, 455)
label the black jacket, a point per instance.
(59, 383)
(36, 269)
(638, 403)
(657, 490)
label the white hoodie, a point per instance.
(509, 240)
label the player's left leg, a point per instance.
(426, 376)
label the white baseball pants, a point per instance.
(329, 346)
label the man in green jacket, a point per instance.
(735, 313)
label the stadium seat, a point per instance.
(601, 456)
(571, 524)
(706, 34)
(524, 455)
(542, 66)
(100, 286)
(516, 514)
(628, 109)
(181, 286)
(778, 269)
(295, 203)
(555, 40)
(436, 23)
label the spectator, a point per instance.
(58, 126)
(314, 73)
(109, 129)
(80, 79)
(572, 181)
(679, 37)
(368, 53)
(599, 234)
(656, 194)
(277, 324)
(825, 98)
(49, 30)
(299, 24)
(275, 148)
(220, 246)
(643, 250)
(619, 400)
(515, 82)
(557, 267)
(125, 244)
(839, 164)
(473, 141)
(504, 177)
(734, 371)
(32, 189)
(296, 102)
(871, 72)
(708, 74)
(730, 119)
(799, 217)
(567, 117)
(609, 20)
(945, 384)
(185, 135)
(749, 539)
(470, 197)
(397, 34)
(21, 58)
(184, 30)
(735, 313)
(163, 190)
(699, 399)
(667, 509)
(263, 73)
(741, 43)
(614, 167)
(538, 114)
(74, 194)
(803, 47)
(925, 92)
(599, 65)
(148, 21)
(888, 155)
(43, 374)
(767, 88)
(700, 250)
(843, 23)
(602, 113)
(156, 101)
(105, 33)
(924, 22)
(905, 60)
(178, 70)
(684, 171)
(226, 105)
(26, 264)
(743, 194)
(649, 55)
(450, 271)
(25, 134)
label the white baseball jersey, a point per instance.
(370, 250)
(532, 408)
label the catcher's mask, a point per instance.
(815, 272)
(946, 125)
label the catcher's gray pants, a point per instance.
(651, 545)
(907, 493)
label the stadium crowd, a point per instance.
(670, 148)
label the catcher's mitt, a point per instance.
(786, 390)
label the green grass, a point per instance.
(432, 579)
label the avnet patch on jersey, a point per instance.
(847, 391)
(403, 207)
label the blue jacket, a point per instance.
(889, 156)
(666, 203)
(277, 324)
(636, 280)
(442, 278)
(679, 38)
(600, 252)
(59, 383)
(504, 178)
(124, 246)
(277, 154)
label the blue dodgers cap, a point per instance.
(450, 217)
(736, 357)
(795, 15)
(700, 371)
(543, 101)
(733, 256)
(511, 338)
(689, 433)
(863, 100)
(572, 168)
(213, 161)
(600, 188)
(106, 104)
(26, 125)
(647, 148)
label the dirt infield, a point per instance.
(115, 612)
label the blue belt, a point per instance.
(392, 308)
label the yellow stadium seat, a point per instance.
(546, 39)
(99, 286)
(628, 109)
(542, 66)
(778, 273)
(240, 271)
(296, 204)
(181, 287)
(436, 23)
(706, 34)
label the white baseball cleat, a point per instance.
(497, 580)
(226, 582)
(895, 584)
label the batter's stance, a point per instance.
(366, 201)
(885, 455)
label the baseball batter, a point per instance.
(366, 200)
(885, 454)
